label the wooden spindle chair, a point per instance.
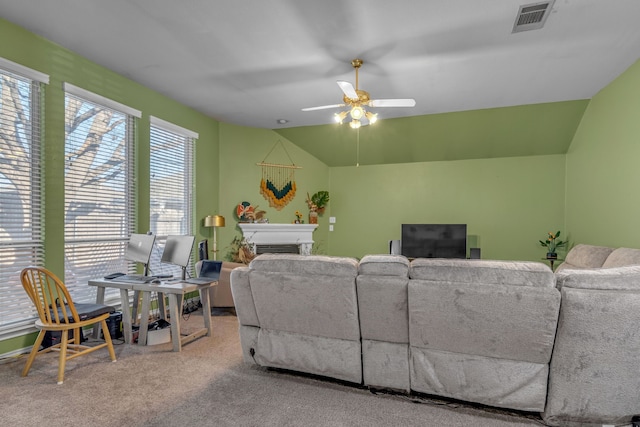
(57, 312)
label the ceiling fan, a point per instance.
(357, 99)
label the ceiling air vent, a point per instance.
(532, 16)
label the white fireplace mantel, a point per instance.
(279, 234)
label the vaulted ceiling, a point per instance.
(253, 62)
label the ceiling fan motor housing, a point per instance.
(363, 99)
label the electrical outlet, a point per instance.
(332, 220)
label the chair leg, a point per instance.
(34, 352)
(64, 342)
(107, 338)
(77, 338)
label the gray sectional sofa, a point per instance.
(508, 334)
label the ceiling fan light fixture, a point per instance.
(357, 112)
(355, 124)
(339, 117)
(371, 117)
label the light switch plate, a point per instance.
(332, 220)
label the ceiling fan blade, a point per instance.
(348, 89)
(323, 107)
(393, 102)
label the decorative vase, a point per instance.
(313, 217)
(552, 255)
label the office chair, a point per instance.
(57, 312)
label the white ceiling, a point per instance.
(251, 62)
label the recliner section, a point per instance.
(491, 332)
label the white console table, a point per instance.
(279, 234)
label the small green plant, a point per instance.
(318, 201)
(240, 251)
(552, 242)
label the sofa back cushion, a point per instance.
(382, 298)
(587, 256)
(309, 295)
(622, 257)
(306, 264)
(520, 273)
(384, 265)
(616, 278)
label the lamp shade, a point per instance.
(214, 221)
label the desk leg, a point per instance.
(206, 309)
(144, 318)
(126, 316)
(161, 307)
(99, 300)
(134, 309)
(174, 312)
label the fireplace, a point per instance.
(279, 238)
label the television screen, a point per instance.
(434, 240)
(140, 247)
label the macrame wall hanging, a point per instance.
(278, 183)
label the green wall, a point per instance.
(240, 149)
(63, 65)
(516, 131)
(508, 203)
(603, 206)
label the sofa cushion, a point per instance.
(587, 256)
(621, 257)
(383, 309)
(495, 321)
(309, 295)
(306, 264)
(593, 376)
(521, 273)
(619, 278)
(503, 383)
(310, 353)
(384, 265)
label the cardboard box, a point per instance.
(158, 336)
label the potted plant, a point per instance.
(552, 243)
(318, 202)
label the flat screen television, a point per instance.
(434, 240)
(139, 249)
(177, 251)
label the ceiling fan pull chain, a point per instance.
(358, 147)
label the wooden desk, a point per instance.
(175, 292)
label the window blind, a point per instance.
(171, 188)
(99, 192)
(21, 192)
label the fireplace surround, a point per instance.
(278, 237)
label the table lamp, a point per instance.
(214, 221)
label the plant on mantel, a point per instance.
(318, 202)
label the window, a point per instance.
(171, 187)
(21, 198)
(99, 189)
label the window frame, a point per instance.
(29, 249)
(110, 246)
(189, 138)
